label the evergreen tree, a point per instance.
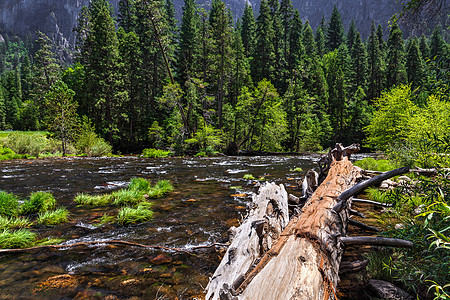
(103, 79)
(359, 64)
(414, 65)
(320, 42)
(286, 14)
(127, 15)
(187, 54)
(26, 77)
(335, 32)
(263, 66)
(296, 47)
(396, 73)
(381, 43)
(375, 64)
(2, 110)
(279, 71)
(351, 35)
(424, 48)
(308, 40)
(438, 48)
(248, 30)
(12, 100)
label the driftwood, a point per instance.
(262, 227)
(304, 262)
(375, 241)
(371, 202)
(352, 266)
(362, 225)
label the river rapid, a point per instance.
(210, 196)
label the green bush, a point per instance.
(9, 204)
(21, 238)
(14, 222)
(38, 202)
(54, 146)
(23, 143)
(89, 143)
(128, 215)
(127, 197)
(61, 215)
(153, 153)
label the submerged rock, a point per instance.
(386, 290)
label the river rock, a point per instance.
(386, 290)
(388, 184)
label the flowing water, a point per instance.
(210, 196)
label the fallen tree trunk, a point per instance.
(304, 262)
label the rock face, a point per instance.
(57, 18)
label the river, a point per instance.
(207, 200)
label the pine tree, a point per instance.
(127, 15)
(381, 43)
(359, 64)
(414, 65)
(171, 20)
(438, 48)
(320, 42)
(424, 48)
(308, 40)
(335, 32)
(296, 47)
(263, 66)
(187, 54)
(351, 35)
(2, 110)
(220, 21)
(26, 77)
(279, 71)
(396, 73)
(240, 75)
(103, 79)
(375, 64)
(286, 14)
(248, 30)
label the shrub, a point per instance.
(14, 222)
(9, 204)
(7, 154)
(54, 146)
(23, 143)
(38, 202)
(128, 215)
(249, 177)
(21, 238)
(89, 142)
(61, 215)
(153, 153)
(96, 200)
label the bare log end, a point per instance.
(376, 241)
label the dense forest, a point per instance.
(209, 82)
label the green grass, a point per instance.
(61, 215)
(129, 215)
(14, 222)
(9, 204)
(373, 164)
(249, 177)
(5, 133)
(297, 169)
(376, 194)
(96, 200)
(153, 153)
(160, 189)
(105, 219)
(127, 197)
(38, 202)
(48, 241)
(139, 184)
(21, 238)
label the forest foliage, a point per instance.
(270, 83)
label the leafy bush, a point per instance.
(61, 215)
(128, 215)
(21, 238)
(8, 154)
(153, 153)
(14, 222)
(96, 200)
(89, 142)
(9, 204)
(38, 202)
(23, 143)
(369, 163)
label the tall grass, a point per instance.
(129, 215)
(14, 222)
(160, 189)
(9, 204)
(96, 200)
(61, 215)
(38, 202)
(369, 163)
(21, 238)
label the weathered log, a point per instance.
(356, 213)
(371, 202)
(362, 225)
(257, 234)
(375, 241)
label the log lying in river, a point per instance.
(304, 262)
